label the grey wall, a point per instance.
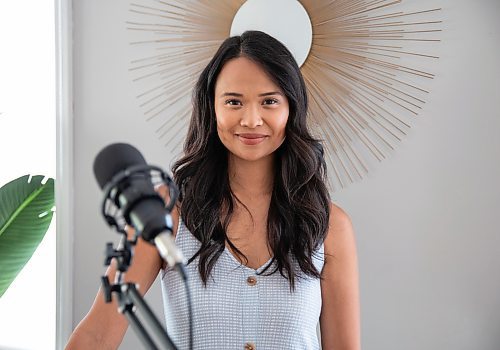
(426, 219)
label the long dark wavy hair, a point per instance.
(298, 215)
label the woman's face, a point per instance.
(251, 110)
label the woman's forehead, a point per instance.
(242, 74)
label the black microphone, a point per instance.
(122, 171)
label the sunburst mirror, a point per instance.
(366, 65)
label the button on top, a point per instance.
(251, 281)
(250, 346)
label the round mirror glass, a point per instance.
(286, 20)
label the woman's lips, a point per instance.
(251, 139)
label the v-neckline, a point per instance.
(233, 258)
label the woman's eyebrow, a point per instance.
(271, 93)
(231, 94)
(236, 94)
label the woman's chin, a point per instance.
(250, 156)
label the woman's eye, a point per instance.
(232, 102)
(270, 101)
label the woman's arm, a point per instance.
(340, 319)
(104, 327)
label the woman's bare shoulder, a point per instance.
(340, 236)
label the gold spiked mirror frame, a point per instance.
(367, 70)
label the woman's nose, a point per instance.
(251, 118)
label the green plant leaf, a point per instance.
(25, 216)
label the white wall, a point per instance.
(426, 218)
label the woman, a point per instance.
(270, 255)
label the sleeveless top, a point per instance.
(240, 309)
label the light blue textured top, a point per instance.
(240, 309)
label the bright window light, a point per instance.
(28, 146)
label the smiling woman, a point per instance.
(254, 219)
(251, 110)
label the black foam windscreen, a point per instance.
(113, 159)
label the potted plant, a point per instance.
(26, 210)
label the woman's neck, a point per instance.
(251, 178)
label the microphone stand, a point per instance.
(116, 215)
(130, 300)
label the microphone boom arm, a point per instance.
(129, 299)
